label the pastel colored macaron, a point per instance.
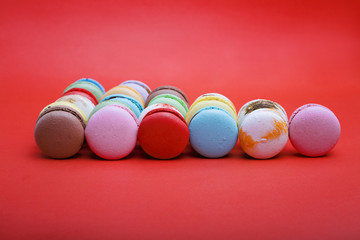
(260, 104)
(211, 99)
(139, 86)
(166, 89)
(85, 104)
(110, 102)
(172, 100)
(163, 132)
(263, 128)
(87, 87)
(125, 90)
(82, 92)
(111, 132)
(59, 130)
(96, 83)
(223, 97)
(213, 132)
(130, 102)
(314, 130)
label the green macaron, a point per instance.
(172, 100)
(88, 86)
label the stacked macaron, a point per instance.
(111, 132)
(263, 128)
(212, 124)
(163, 132)
(163, 123)
(60, 127)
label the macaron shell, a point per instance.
(158, 107)
(111, 132)
(65, 106)
(140, 83)
(163, 134)
(134, 104)
(195, 107)
(82, 92)
(106, 103)
(314, 130)
(213, 132)
(59, 134)
(125, 90)
(96, 83)
(80, 101)
(170, 100)
(167, 90)
(86, 86)
(266, 104)
(217, 95)
(263, 133)
(140, 87)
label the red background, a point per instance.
(292, 52)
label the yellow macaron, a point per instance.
(211, 99)
(126, 90)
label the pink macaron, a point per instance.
(111, 132)
(314, 130)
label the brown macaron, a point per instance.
(166, 89)
(60, 129)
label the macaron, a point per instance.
(130, 102)
(314, 130)
(172, 100)
(263, 128)
(125, 90)
(163, 133)
(96, 83)
(84, 93)
(85, 104)
(217, 95)
(111, 132)
(139, 86)
(211, 99)
(260, 104)
(88, 87)
(59, 129)
(109, 102)
(166, 89)
(213, 132)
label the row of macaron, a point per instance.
(163, 123)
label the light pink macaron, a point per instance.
(111, 132)
(314, 130)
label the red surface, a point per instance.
(292, 52)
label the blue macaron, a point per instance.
(213, 132)
(90, 80)
(134, 104)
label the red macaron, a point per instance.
(163, 132)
